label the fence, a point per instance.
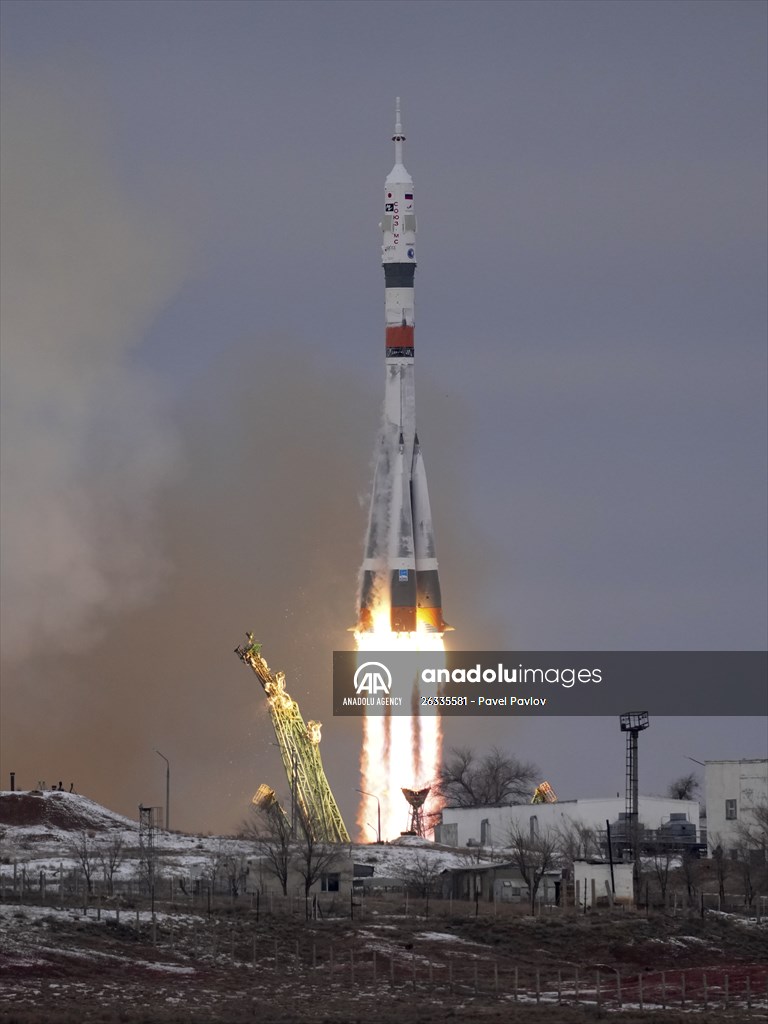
(241, 941)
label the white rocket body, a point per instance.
(400, 566)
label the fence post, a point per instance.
(682, 990)
(640, 991)
(704, 983)
(559, 987)
(538, 986)
(254, 950)
(749, 995)
(725, 985)
(495, 976)
(576, 986)
(663, 990)
(314, 956)
(352, 964)
(598, 992)
(515, 983)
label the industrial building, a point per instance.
(733, 790)
(489, 826)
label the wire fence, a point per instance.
(240, 941)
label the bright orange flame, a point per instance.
(398, 751)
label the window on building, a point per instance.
(330, 883)
(730, 810)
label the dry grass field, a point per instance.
(60, 966)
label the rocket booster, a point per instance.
(400, 567)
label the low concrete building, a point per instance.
(503, 882)
(596, 884)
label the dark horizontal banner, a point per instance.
(688, 683)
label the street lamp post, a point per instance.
(378, 805)
(167, 791)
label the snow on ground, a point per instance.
(38, 830)
(444, 937)
(745, 922)
(22, 913)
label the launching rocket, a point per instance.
(400, 567)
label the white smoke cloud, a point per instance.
(84, 443)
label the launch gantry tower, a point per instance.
(312, 800)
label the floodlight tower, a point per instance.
(633, 723)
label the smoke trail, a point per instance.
(85, 446)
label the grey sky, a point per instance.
(193, 348)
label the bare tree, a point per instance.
(721, 864)
(684, 788)
(111, 857)
(421, 874)
(752, 849)
(576, 841)
(216, 864)
(534, 855)
(752, 831)
(82, 848)
(314, 857)
(495, 780)
(270, 832)
(689, 867)
(746, 865)
(661, 862)
(233, 867)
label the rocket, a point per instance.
(400, 565)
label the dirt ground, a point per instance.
(60, 966)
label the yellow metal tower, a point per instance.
(312, 800)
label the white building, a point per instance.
(732, 790)
(489, 826)
(593, 881)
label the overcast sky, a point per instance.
(192, 365)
